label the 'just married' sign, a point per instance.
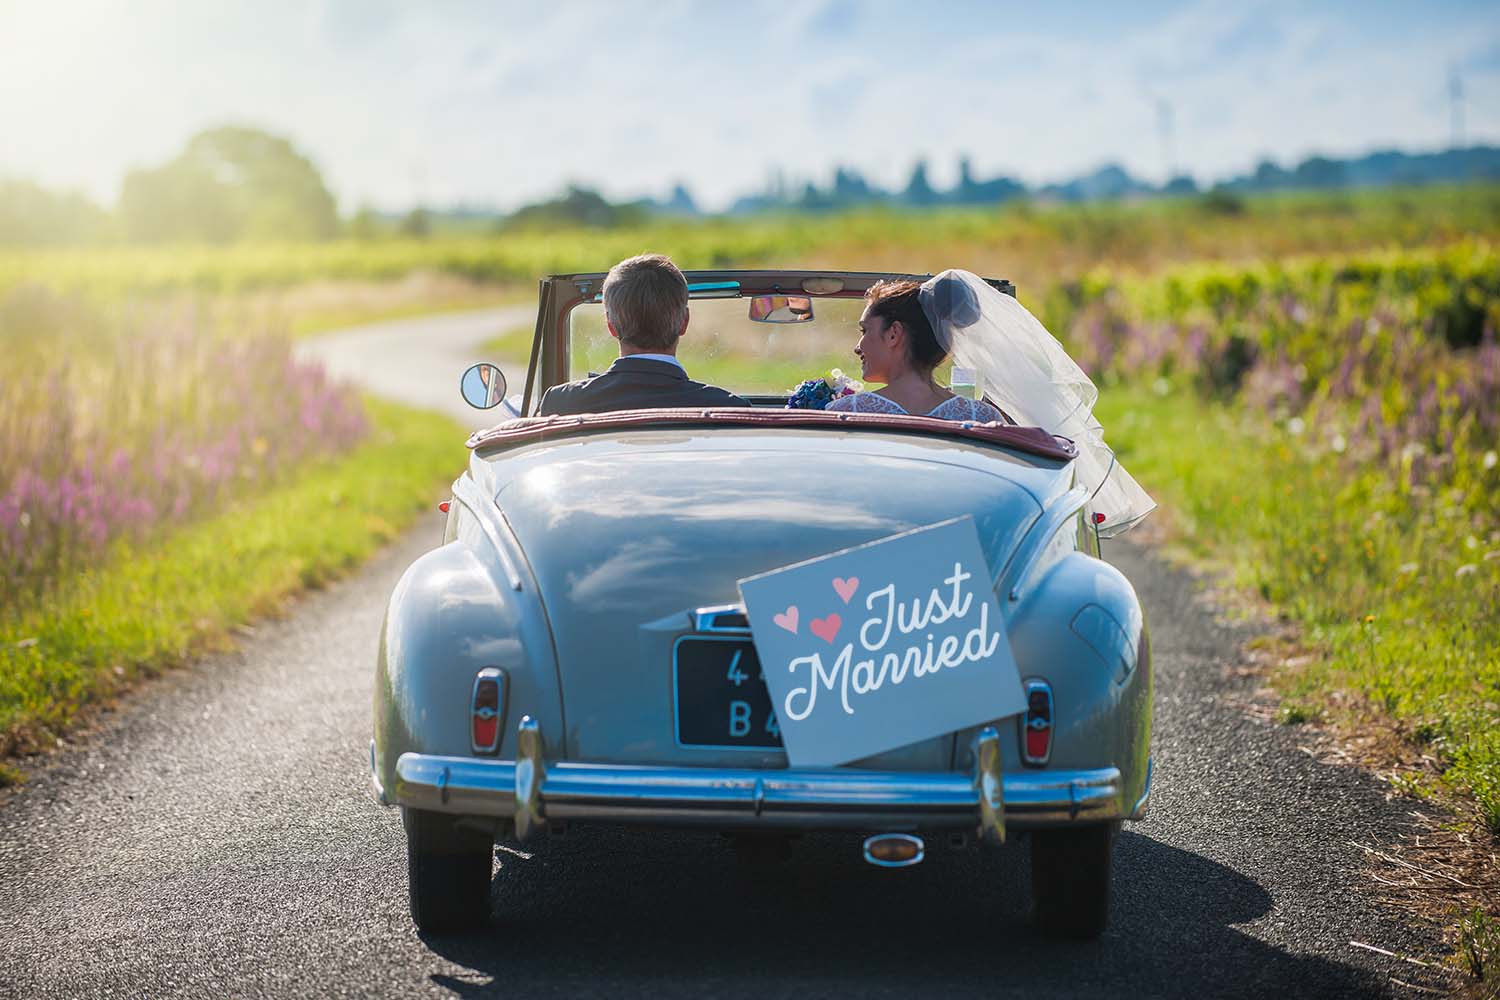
(882, 645)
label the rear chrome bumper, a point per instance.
(531, 792)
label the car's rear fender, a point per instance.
(1079, 627)
(469, 604)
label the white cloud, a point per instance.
(467, 101)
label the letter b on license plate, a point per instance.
(721, 696)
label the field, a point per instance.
(1037, 246)
(141, 605)
(165, 478)
(1309, 383)
(110, 432)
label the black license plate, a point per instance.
(721, 696)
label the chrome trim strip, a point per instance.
(746, 798)
(707, 619)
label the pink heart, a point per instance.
(846, 588)
(826, 628)
(787, 619)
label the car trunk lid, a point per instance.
(630, 536)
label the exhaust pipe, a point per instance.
(894, 850)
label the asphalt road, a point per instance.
(217, 837)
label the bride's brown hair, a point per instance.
(896, 301)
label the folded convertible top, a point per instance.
(526, 430)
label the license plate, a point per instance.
(721, 697)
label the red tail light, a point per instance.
(444, 506)
(486, 710)
(1036, 724)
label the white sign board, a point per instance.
(882, 645)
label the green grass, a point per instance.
(1396, 589)
(768, 376)
(150, 608)
(1031, 243)
(1479, 948)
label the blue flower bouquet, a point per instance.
(817, 393)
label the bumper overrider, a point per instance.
(531, 791)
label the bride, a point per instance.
(899, 347)
(908, 329)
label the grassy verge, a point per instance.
(1395, 593)
(1397, 599)
(146, 609)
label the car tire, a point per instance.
(448, 871)
(1070, 876)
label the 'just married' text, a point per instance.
(895, 645)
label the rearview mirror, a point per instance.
(483, 386)
(781, 309)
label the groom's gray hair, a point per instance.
(646, 298)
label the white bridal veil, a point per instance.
(1023, 368)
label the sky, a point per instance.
(501, 103)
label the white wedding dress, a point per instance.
(956, 408)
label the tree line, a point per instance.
(234, 184)
(228, 184)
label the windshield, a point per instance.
(724, 347)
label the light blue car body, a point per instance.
(574, 562)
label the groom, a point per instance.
(646, 308)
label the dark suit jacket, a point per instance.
(635, 384)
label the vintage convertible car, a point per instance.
(572, 653)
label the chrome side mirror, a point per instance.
(483, 386)
(781, 309)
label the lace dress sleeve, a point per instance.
(844, 404)
(959, 408)
(864, 402)
(985, 412)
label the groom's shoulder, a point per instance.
(714, 395)
(587, 394)
(555, 399)
(649, 384)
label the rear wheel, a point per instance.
(1070, 874)
(448, 869)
